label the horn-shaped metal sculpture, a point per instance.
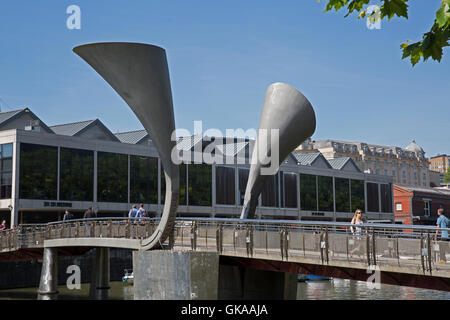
(139, 74)
(287, 110)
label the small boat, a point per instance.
(309, 277)
(128, 277)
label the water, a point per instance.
(335, 289)
(340, 289)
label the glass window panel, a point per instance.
(342, 187)
(386, 197)
(7, 150)
(6, 178)
(77, 175)
(6, 164)
(243, 179)
(199, 183)
(357, 195)
(112, 177)
(143, 179)
(269, 195)
(225, 186)
(308, 192)
(38, 172)
(325, 185)
(372, 197)
(289, 189)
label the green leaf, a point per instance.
(336, 4)
(394, 7)
(443, 14)
(356, 5)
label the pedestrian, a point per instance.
(132, 214)
(442, 222)
(3, 225)
(356, 231)
(89, 214)
(67, 216)
(142, 213)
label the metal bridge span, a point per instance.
(402, 255)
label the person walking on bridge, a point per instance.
(89, 214)
(67, 216)
(442, 222)
(3, 225)
(141, 213)
(133, 214)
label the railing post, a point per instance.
(235, 235)
(286, 244)
(326, 244)
(374, 251)
(429, 251)
(249, 241)
(219, 238)
(368, 248)
(267, 240)
(422, 252)
(281, 243)
(321, 245)
(206, 236)
(172, 238)
(194, 236)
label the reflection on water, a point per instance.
(118, 291)
(340, 289)
(335, 289)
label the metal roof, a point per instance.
(76, 128)
(4, 116)
(133, 137)
(187, 143)
(71, 129)
(11, 115)
(338, 163)
(306, 159)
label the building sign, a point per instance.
(318, 214)
(57, 204)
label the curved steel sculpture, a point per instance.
(139, 74)
(287, 110)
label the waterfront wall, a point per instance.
(188, 275)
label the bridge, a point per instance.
(394, 254)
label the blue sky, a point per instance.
(222, 57)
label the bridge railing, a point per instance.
(321, 242)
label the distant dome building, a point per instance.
(414, 147)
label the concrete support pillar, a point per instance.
(99, 288)
(48, 285)
(171, 275)
(237, 283)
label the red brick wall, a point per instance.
(404, 197)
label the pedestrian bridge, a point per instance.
(402, 254)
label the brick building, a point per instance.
(419, 205)
(440, 163)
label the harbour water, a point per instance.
(334, 289)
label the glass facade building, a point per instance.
(42, 175)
